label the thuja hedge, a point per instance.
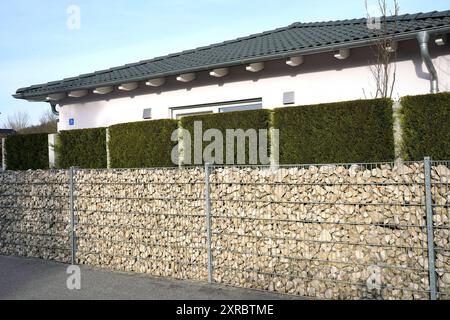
(82, 148)
(142, 144)
(344, 132)
(25, 152)
(245, 120)
(426, 126)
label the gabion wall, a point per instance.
(333, 232)
(146, 221)
(34, 214)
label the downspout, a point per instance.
(54, 111)
(424, 38)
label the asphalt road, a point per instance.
(32, 279)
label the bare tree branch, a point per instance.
(384, 67)
(47, 117)
(48, 123)
(18, 121)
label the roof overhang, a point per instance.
(252, 60)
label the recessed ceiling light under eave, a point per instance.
(156, 82)
(103, 90)
(78, 93)
(441, 40)
(392, 47)
(342, 54)
(255, 67)
(187, 77)
(37, 99)
(56, 96)
(219, 73)
(295, 61)
(128, 86)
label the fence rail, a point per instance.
(339, 231)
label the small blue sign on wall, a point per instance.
(71, 122)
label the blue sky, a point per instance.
(37, 46)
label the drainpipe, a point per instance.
(424, 38)
(54, 111)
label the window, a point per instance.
(255, 106)
(220, 107)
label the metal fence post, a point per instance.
(73, 244)
(4, 154)
(108, 152)
(208, 222)
(430, 230)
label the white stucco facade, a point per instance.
(320, 79)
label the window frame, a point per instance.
(211, 108)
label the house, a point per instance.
(303, 63)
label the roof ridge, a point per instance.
(236, 40)
(403, 17)
(171, 55)
(96, 77)
(254, 35)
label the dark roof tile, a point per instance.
(295, 38)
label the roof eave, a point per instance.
(284, 55)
